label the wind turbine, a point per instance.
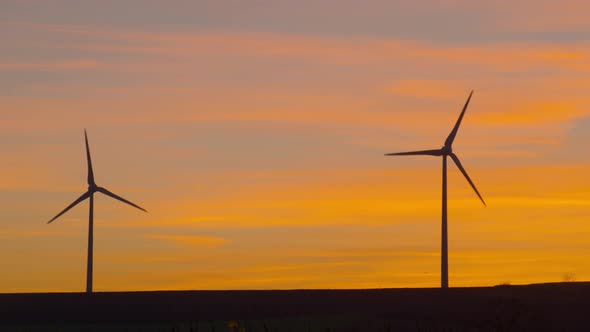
(92, 188)
(444, 152)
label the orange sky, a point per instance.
(254, 133)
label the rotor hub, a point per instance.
(447, 150)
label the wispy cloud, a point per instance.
(207, 241)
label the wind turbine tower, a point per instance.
(444, 152)
(89, 194)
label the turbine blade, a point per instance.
(89, 160)
(453, 133)
(80, 199)
(418, 153)
(110, 194)
(458, 163)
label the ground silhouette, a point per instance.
(540, 307)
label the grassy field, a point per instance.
(543, 307)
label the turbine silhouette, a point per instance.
(92, 188)
(446, 151)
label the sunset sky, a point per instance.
(254, 132)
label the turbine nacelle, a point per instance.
(446, 150)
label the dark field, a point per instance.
(543, 307)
